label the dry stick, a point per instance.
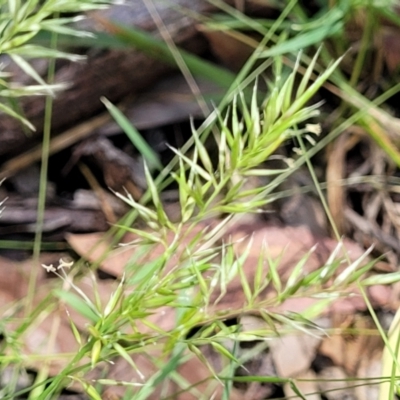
(99, 192)
(368, 228)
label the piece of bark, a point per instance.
(23, 220)
(110, 73)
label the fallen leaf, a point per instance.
(348, 350)
(293, 354)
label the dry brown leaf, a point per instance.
(349, 350)
(293, 354)
(370, 368)
(94, 247)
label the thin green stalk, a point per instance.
(42, 186)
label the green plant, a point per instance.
(20, 22)
(124, 326)
(189, 282)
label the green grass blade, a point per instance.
(302, 41)
(151, 157)
(160, 51)
(78, 304)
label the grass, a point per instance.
(248, 127)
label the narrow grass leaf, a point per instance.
(151, 157)
(114, 299)
(362, 271)
(223, 156)
(78, 304)
(32, 90)
(381, 279)
(243, 278)
(306, 77)
(147, 270)
(34, 51)
(12, 113)
(204, 287)
(273, 273)
(91, 391)
(300, 102)
(260, 280)
(381, 137)
(144, 212)
(222, 350)
(160, 51)
(390, 361)
(271, 109)
(183, 185)
(124, 354)
(162, 216)
(157, 301)
(351, 269)
(297, 271)
(57, 25)
(303, 40)
(254, 123)
(74, 329)
(257, 378)
(17, 44)
(330, 266)
(285, 98)
(316, 309)
(235, 121)
(217, 229)
(151, 237)
(195, 350)
(296, 390)
(195, 167)
(27, 68)
(203, 154)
